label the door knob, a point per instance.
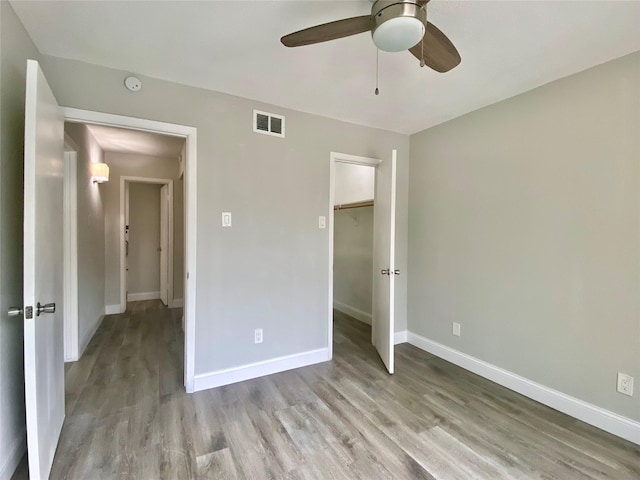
(46, 308)
(396, 272)
(14, 311)
(385, 271)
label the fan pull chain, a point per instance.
(377, 91)
(422, 52)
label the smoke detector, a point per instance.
(133, 84)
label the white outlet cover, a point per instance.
(625, 384)
(226, 219)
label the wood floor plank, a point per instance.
(218, 465)
(128, 417)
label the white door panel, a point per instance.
(384, 227)
(43, 271)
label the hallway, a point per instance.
(128, 417)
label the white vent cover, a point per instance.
(268, 123)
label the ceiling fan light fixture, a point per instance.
(397, 25)
(398, 34)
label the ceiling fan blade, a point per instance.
(439, 52)
(328, 31)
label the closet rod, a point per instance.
(353, 205)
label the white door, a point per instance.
(43, 272)
(164, 244)
(384, 234)
(125, 299)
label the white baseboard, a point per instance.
(400, 337)
(136, 297)
(11, 461)
(353, 312)
(112, 309)
(177, 303)
(87, 338)
(218, 378)
(598, 417)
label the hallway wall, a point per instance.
(91, 264)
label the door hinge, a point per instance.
(28, 312)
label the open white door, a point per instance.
(124, 299)
(384, 234)
(164, 244)
(43, 272)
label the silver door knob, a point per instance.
(14, 311)
(46, 308)
(396, 272)
(384, 271)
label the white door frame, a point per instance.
(166, 245)
(70, 245)
(335, 157)
(125, 181)
(190, 185)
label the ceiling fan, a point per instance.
(395, 25)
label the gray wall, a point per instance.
(144, 238)
(270, 269)
(15, 48)
(353, 260)
(131, 165)
(353, 183)
(91, 265)
(524, 227)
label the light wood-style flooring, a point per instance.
(128, 417)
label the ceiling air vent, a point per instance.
(268, 123)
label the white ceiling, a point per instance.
(507, 47)
(123, 140)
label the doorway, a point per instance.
(382, 257)
(353, 213)
(188, 169)
(147, 269)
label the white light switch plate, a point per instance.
(456, 329)
(226, 219)
(322, 221)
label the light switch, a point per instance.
(322, 221)
(226, 219)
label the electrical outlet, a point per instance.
(257, 336)
(625, 384)
(456, 329)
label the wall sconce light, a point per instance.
(99, 172)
